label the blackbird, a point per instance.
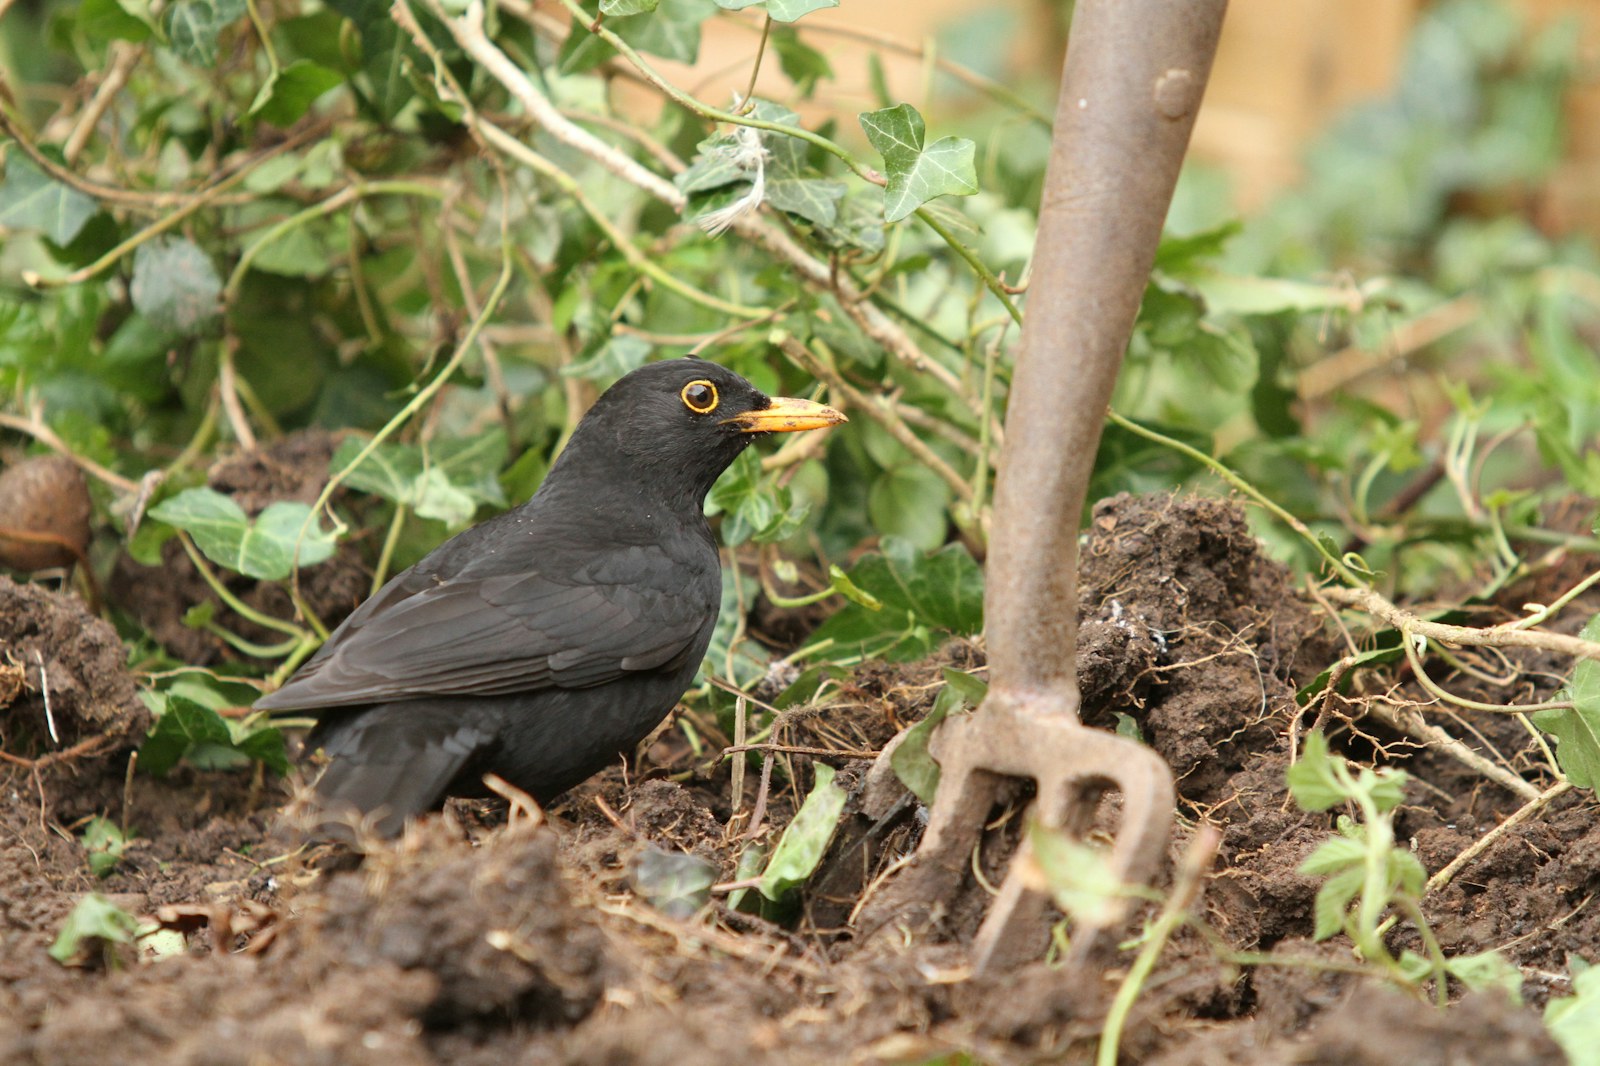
(548, 640)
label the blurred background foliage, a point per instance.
(228, 222)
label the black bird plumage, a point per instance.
(548, 640)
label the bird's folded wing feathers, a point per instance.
(497, 635)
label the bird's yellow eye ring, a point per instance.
(700, 396)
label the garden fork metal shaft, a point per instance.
(1134, 75)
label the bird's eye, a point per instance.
(700, 397)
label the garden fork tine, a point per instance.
(1072, 765)
(1134, 75)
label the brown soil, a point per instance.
(478, 940)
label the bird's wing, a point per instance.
(426, 635)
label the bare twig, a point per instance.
(1497, 637)
(1537, 803)
(879, 410)
(35, 427)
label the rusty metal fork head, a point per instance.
(1072, 766)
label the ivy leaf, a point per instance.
(108, 20)
(916, 173)
(805, 839)
(624, 8)
(754, 505)
(290, 92)
(813, 199)
(790, 10)
(911, 761)
(264, 548)
(186, 728)
(919, 595)
(671, 31)
(801, 63)
(1577, 728)
(187, 731)
(384, 52)
(910, 501)
(175, 286)
(32, 200)
(462, 474)
(193, 27)
(780, 10)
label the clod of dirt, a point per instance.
(432, 935)
(1189, 628)
(76, 686)
(1381, 1026)
(537, 959)
(44, 513)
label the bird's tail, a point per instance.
(389, 763)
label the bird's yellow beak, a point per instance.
(787, 415)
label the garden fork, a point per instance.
(1134, 75)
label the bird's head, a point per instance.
(678, 424)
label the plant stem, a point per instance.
(1197, 859)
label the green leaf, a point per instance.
(1487, 969)
(300, 252)
(1387, 789)
(184, 727)
(614, 358)
(1333, 855)
(103, 839)
(264, 548)
(188, 731)
(94, 919)
(1080, 877)
(384, 53)
(1333, 899)
(624, 8)
(1179, 255)
(911, 761)
(917, 174)
(261, 743)
(754, 505)
(193, 26)
(1574, 1021)
(289, 93)
(671, 31)
(1577, 729)
(801, 63)
(32, 200)
(971, 689)
(813, 199)
(673, 882)
(791, 10)
(1388, 653)
(175, 285)
(389, 470)
(751, 861)
(805, 839)
(940, 591)
(909, 500)
(108, 20)
(1311, 779)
